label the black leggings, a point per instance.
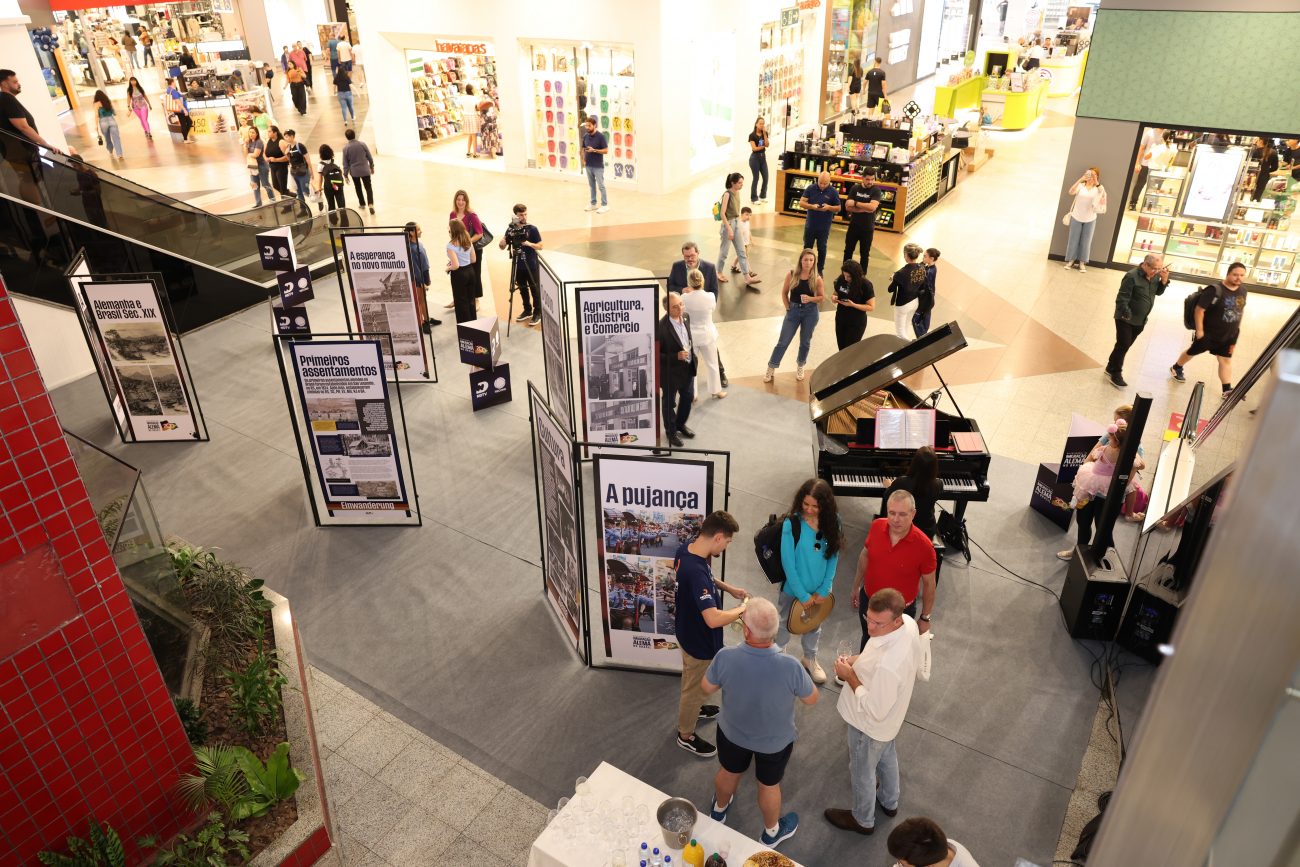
(849, 327)
(368, 198)
(757, 167)
(1088, 518)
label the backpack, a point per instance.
(332, 175)
(1189, 305)
(767, 545)
(717, 210)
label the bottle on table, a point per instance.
(693, 854)
(715, 860)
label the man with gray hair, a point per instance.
(757, 721)
(1137, 295)
(898, 555)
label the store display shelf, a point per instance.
(1160, 232)
(1281, 249)
(1191, 256)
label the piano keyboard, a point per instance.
(872, 482)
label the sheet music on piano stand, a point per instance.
(904, 428)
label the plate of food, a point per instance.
(768, 859)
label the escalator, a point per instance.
(52, 206)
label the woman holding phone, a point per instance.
(854, 297)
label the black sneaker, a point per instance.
(536, 320)
(710, 711)
(697, 745)
(525, 316)
(1177, 373)
(1116, 380)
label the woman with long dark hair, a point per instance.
(140, 105)
(810, 562)
(758, 161)
(278, 161)
(1268, 164)
(855, 85)
(259, 170)
(106, 124)
(854, 297)
(729, 232)
(922, 482)
(460, 258)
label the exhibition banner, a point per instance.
(617, 360)
(648, 507)
(558, 388)
(560, 543)
(1054, 484)
(350, 429)
(128, 322)
(383, 296)
(78, 274)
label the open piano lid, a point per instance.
(874, 363)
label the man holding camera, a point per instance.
(524, 241)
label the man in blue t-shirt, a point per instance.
(757, 723)
(524, 241)
(700, 619)
(594, 148)
(822, 202)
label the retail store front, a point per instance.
(454, 84)
(1207, 199)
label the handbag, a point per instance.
(485, 239)
(806, 618)
(1065, 219)
(1100, 207)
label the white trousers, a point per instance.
(903, 319)
(707, 371)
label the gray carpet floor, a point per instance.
(445, 625)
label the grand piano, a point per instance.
(848, 388)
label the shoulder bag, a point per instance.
(487, 237)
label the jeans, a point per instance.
(726, 243)
(303, 183)
(801, 317)
(678, 396)
(148, 55)
(903, 317)
(261, 177)
(596, 178)
(1125, 334)
(921, 322)
(867, 758)
(345, 105)
(1080, 240)
(112, 135)
(819, 235)
(808, 640)
(757, 166)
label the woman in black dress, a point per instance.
(922, 482)
(1268, 164)
(854, 299)
(279, 162)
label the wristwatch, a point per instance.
(925, 617)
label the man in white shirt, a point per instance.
(1146, 148)
(344, 49)
(920, 842)
(877, 690)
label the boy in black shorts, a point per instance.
(1219, 310)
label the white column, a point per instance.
(18, 55)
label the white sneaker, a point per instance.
(1065, 555)
(590, 207)
(1083, 269)
(798, 374)
(767, 377)
(602, 209)
(1068, 263)
(815, 670)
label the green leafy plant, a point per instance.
(272, 782)
(188, 558)
(103, 849)
(219, 781)
(255, 691)
(210, 847)
(196, 727)
(223, 597)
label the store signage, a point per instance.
(617, 360)
(295, 286)
(349, 422)
(462, 47)
(128, 322)
(809, 4)
(648, 507)
(383, 298)
(1214, 177)
(558, 386)
(559, 507)
(489, 386)
(790, 17)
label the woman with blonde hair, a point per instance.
(1089, 201)
(460, 258)
(802, 291)
(699, 306)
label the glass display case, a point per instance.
(131, 530)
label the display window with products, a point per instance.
(1207, 199)
(781, 70)
(454, 85)
(853, 26)
(569, 83)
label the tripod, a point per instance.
(515, 256)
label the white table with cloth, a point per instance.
(554, 849)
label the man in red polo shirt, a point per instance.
(897, 555)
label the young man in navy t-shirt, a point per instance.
(700, 619)
(594, 148)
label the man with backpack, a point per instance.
(1215, 318)
(331, 183)
(1137, 295)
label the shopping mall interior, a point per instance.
(340, 554)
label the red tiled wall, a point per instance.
(87, 726)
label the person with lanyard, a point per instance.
(177, 105)
(855, 297)
(758, 162)
(862, 203)
(821, 202)
(594, 148)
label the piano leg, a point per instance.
(959, 510)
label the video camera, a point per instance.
(516, 234)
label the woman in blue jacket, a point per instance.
(810, 563)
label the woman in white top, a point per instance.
(469, 121)
(704, 334)
(1089, 201)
